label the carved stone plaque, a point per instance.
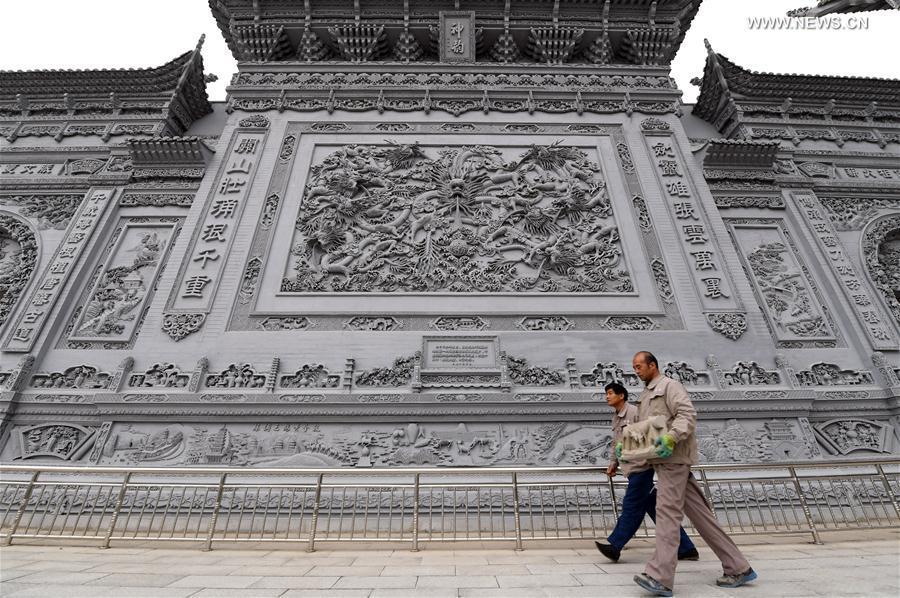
(461, 353)
(457, 36)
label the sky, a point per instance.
(55, 34)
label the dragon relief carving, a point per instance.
(881, 249)
(786, 295)
(456, 219)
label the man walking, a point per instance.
(640, 497)
(678, 493)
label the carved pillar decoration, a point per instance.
(790, 376)
(347, 381)
(272, 376)
(572, 370)
(732, 325)
(881, 255)
(887, 372)
(718, 375)
(198, 375)
(121, 375)
(18, 257)
(179, 326)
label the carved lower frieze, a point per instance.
(291, 442)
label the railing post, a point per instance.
(115, 516)
(215, 514)
(517, 519)
(706, 491)
(612, 496)
(22, 507)
(315, 515)
(415, 522)
(887, 487)
(805, 506)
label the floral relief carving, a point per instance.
(60, 440)
(373, 323)
(18, 257)
(397, 218)
(852, 213)
(398, 374)
(459, 323)
(545, 323)
(179, 326)
(521, 374)
(50, 211)
(845, 436)
(731, 326)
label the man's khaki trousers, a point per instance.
(678, 494)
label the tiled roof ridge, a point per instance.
(180, 61)
(727, 62)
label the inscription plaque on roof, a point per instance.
(457, 36)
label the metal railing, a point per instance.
(214, 505)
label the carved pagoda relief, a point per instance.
(401, 218)
(18, 258)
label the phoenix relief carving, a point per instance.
(456, 219)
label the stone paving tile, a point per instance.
(354, 570)
(288, 582)
(242, 593)
(59, 577)
(482, 569)
(503, 593)
(324, 594)
(184, 568)
(62, 565)
(69, 591)
(414, 593)
(536, 581)
(453, 581)
(549, 569)
(11, 574)
(148, 592)
(13, 563)
(605, 579)
(415, 570)
(375, 582)
(216, 581)
(269, 571)
(317, 560)
(146, 580)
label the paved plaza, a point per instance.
(848, 564)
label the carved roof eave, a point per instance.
(179, 100)
(727, 91)
(277, 23)
(741, 153)
(827, 7)
(164, 151)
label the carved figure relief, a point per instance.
(750, 373)
(111, 311)
(521, 374)
(684, 373)
(160, 375)
(130, 445)
(80, 376)
(68, 442)
(787, 297)
(604, 373)
(829, 374)
(236, 376)
(18, 257)
(399, 374)
(456, 219)
(311, 376)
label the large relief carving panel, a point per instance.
(794, 309)
(365, 226)
(405, 217)
(18, 258)
(114, 305)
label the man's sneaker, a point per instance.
(609, 551)
(737, 579)
(651, 585)
(689, 555)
